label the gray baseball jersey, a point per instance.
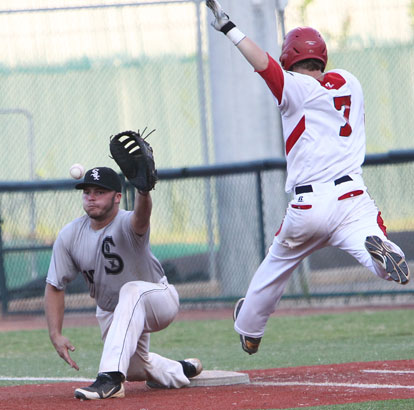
(107, 258)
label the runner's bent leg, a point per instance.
(363, 221)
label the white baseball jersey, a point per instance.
(323, 124)
(107, 258)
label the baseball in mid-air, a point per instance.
(77, 171)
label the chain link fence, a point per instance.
(202, 246)
(74, 73)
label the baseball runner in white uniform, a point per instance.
(110, 247)
(324, 134)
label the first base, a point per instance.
(218, 378)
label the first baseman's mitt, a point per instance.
(135, 158)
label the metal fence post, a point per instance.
(259, 193)
(3, 287)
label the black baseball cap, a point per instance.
(103, 177)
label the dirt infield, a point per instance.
(268, 389)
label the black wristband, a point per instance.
(227, 27)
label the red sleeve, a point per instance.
(275, 80)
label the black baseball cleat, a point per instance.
(249, 344)
(191, 368)
(393, 263)
(106, 385)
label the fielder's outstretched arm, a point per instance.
(54, 309)
(250, 50)
(142, 212)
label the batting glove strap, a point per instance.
(227, 27)
(233, 33)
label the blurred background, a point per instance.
(73, 73)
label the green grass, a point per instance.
(372, 405)
(288, 341)
(295, 341)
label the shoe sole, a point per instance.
(395, 264)
(249, 346)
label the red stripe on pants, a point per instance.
(380, 223)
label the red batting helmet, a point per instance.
(300, 44)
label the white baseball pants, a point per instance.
(332, 215)
(143, 308)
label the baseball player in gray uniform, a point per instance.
(324, 134)
(110, 247)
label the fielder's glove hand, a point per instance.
(221, 18)
(135, 158)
